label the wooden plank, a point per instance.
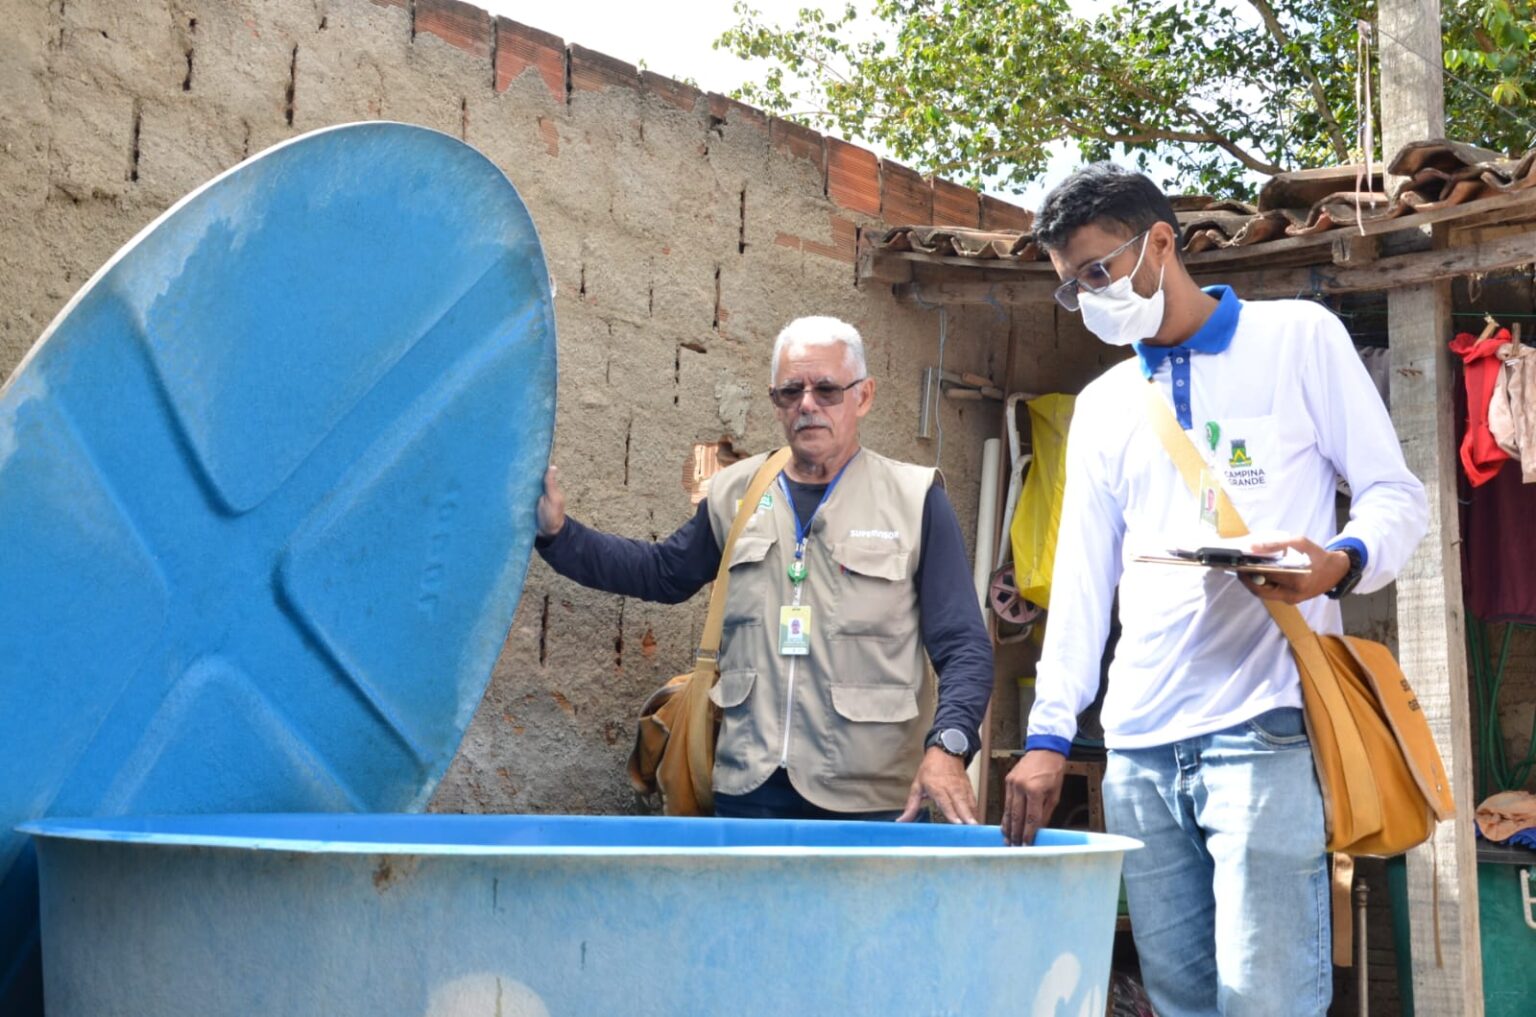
(879, 267)
(1500, 208)
(1442, 876)
(1313, 244)
(1403, 270)
(1466, 236)
(1510, 205)
(1350, 248)
(1030, 291)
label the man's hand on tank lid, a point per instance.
(551, 505)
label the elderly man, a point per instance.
(840, 724)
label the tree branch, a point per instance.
(1319, 96)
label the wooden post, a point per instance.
(1431, 631)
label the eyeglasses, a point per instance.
(826, 393)
(1093, 278)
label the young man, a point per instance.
(1209, 764)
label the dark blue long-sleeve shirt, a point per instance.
(672, 570)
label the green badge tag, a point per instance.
(1212, 434)
(797, 571)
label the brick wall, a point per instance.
(682, 230)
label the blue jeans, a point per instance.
(1229, 898)
(778, 799)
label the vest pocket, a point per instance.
(750, 549)
(877, 597)
(881, 704)
(732, 688)
(749, 580)
(878, 562)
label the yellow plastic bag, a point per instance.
(1038, 515)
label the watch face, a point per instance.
(954, 742)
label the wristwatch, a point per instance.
(952, 740)
(1352, 577)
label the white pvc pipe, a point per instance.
(986, 518)
(981, 571)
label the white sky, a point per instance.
(675, 40)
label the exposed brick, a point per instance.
(905, 197)
(670, 91)
(799, 141)
(853, 177)
(519, 47)
(457, 23)
(734, 113)
(844, 245)
(592, 71)
(551, 135)
(1000, 215)
(954, 205)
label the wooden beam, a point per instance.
(1512, 207)
(1400, 271)
(1006, 294)
(879, 266)
(1431, 632)
(1418, 268)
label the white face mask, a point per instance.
(1118, 314)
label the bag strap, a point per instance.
(714, 621)
(1312, 662)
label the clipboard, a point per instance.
(1226, 559)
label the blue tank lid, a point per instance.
(267, 487)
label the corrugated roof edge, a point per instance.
(1436, 174)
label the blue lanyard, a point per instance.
(802, 530)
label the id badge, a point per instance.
(794, 631)
(1208, 500)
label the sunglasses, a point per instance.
(826, 393)
(1092, 279)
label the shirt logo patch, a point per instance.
(1241, 472)
(766, 502)
(876, 534)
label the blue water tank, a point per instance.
(537, 916)
(267, 491)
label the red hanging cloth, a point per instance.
(1481, 455)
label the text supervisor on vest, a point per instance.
(1209, 763)
(850, 575)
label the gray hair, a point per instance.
(819, 330)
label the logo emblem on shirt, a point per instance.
(766, 501)
(1240, 456)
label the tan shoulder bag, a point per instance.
(1383, 781)
(674, 752)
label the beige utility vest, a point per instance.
(847, 720)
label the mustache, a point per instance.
(805, 420)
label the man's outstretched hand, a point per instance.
(1030, 793)
(551, 504)
(942, 778)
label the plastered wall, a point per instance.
(681, 229)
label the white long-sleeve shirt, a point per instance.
(1292, 407)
